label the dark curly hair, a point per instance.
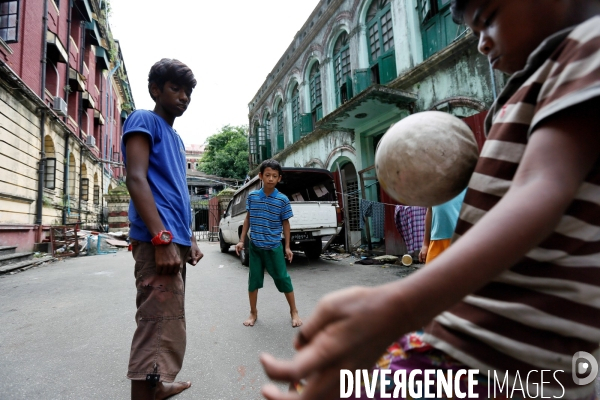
(270, 163)
(171, 70)
(457, 8)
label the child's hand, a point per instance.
(167, 258)
(195, 254)
(288, 254)
(239, 247)
(423, 253)
(332, 339)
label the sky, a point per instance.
(231, 46)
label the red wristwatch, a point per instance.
(162, 238)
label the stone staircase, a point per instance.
(11, 261)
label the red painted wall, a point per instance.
(476, 123)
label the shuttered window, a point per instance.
(266, 147)
(85, 188)
(341, 65)
(50, 173)
(279, 117)
(315, 93)
(382, 60)
(438, 29)
(296, 123)
(252, 145)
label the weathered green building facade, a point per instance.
(355, 68)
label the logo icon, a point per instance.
(583, 364)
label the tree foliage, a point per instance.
(226, 154)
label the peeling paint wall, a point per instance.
(323, 153)
(456, 79)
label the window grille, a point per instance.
(315, 86)
(266, 150)
(341, 66)
(353, 205)
(296, 112)
(85, 187)
(279, 117)
(50, 173)
(261, 136)
(379, 22)
(9, 20)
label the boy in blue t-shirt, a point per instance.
(161, 235)
(268, 215)
(440, 222)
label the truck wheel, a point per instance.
(244, 254)
(224, 246)
(312, 250)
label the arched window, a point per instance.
(296, 122)
(341, 67)
(265, 150)
(279, 126)
(72, 175)
(50, 170)
(382, 60)
(96, 190)
(84, 188)
(253, 144)
(316, 101)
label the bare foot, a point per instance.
(296, 321)
(164, 390)
(251, 319)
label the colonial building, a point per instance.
(64, 94)
(193, 154)
(356, 67)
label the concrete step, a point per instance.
(26, 264)
(15, 258)
(7, 250)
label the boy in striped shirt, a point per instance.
(268, 216)
(517, 294)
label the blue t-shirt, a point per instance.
(445, 216)
(166, 176)
(267, 214)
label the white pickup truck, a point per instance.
(314, 203)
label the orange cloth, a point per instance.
(435, 248)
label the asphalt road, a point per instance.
(65, 328)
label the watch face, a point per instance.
(165, 237)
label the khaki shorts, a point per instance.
(158, 344)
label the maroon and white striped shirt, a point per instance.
(539, 313)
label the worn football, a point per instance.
(426, 158)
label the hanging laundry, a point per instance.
(410, 222)
(376, 211)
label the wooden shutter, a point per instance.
(387, 68)
(349, 90)
(296, 133)
(431, 38)
(362, 79)
(319, 112)
(306, 124)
